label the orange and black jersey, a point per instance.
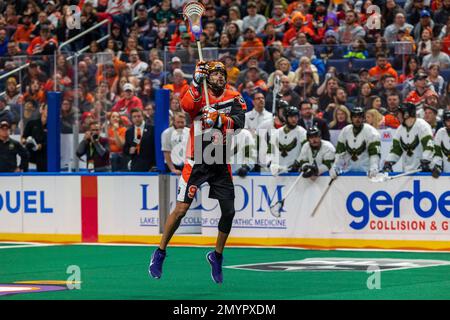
(230, 103)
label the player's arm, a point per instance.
(426, 140)
(191, 102)
(438, 159)
(328, 159)
(340, 150)
(374, 150)
(395, 152)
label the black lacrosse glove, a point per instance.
(310, 170)
(295, 167)
(425, 165)
(243, 171)
(437, 170)
(388, 166)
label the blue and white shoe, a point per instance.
(216, 266)
(156, 263)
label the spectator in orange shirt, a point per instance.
(179, 85)
(383, 67)
(45, 44)
(24, 30)
(291, 34)
(251, 47)
(116, 138)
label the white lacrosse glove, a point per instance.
(31, 143)
(334, 172)
(372, 173)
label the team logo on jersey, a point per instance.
(11, 147)
(409, 147)
(355, 152)
(341, 264)
(445, 151)
(286, 148)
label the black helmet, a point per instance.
(313, 132)
(408, 109)
(357, 111)
(281, 104)
(291, 111)
(446, 115)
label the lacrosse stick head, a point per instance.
(380, 177)
(193, 11)
(277, 208)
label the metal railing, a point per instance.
(98, 25)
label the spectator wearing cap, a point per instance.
(297, 25)
(350, 29)
(179, 85)
(436, 56)
(95, 148)
(414, 9)
(425, 22)
(23, 33)
(332, 50)
(136, 66)
(382, 67)
(252, 62)
(390, 33)
(117, 36)
(184, 49)
(253, 82)
(251, 47)
(128, 102)
(44, 44)
(422, 87)
(211, 16)
(9, 150)
(254, 19)
(34, 138)
(430, 115)
(279, 20)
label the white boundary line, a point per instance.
(228, 246)
(29, 245)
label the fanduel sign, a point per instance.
(28, 201)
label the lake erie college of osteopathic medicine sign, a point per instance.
(410, 212)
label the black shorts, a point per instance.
(218, 176)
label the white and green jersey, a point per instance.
(243, 150)
(442, 147)
(358, 150)
(323, 158)
(412, 145)
(285, 145)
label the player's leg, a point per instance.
(173, 222)
(192, 177)
(221, 188)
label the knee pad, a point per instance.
(226, 220)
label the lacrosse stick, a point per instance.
(276, 209)
(276, 90)
(322, 197)
(382, 177)
(193, 11)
